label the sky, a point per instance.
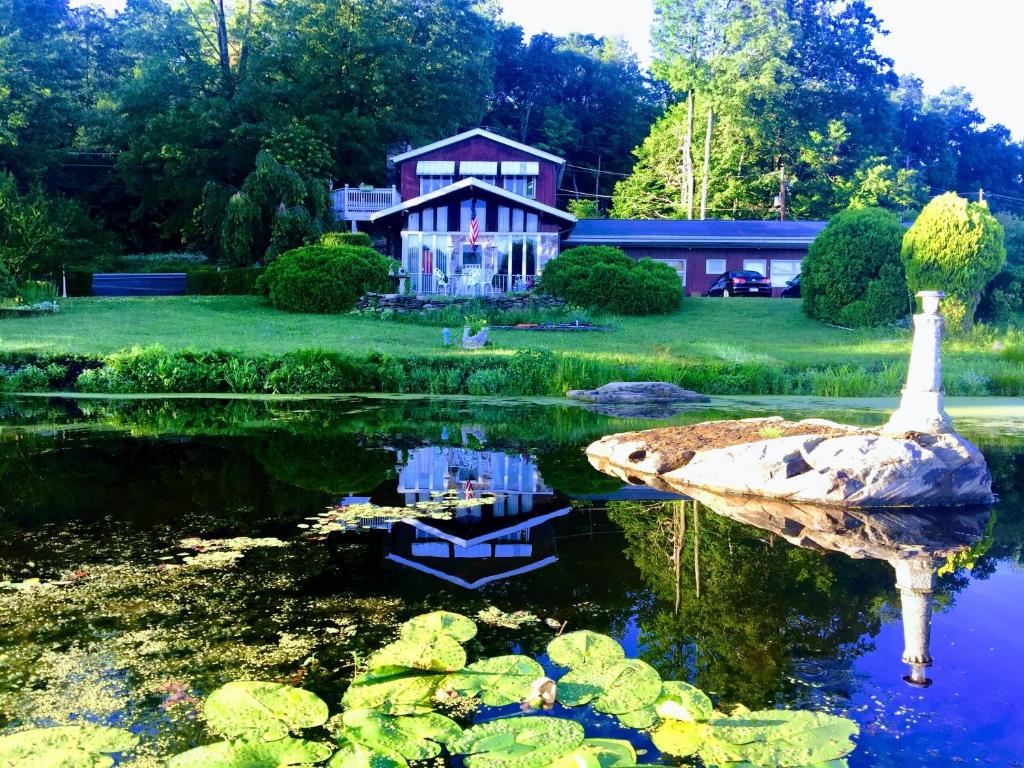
(977, 44)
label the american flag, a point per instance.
(474, 225)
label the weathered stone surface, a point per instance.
(816, 462)
(407, 302)
(622, 392)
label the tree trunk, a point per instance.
(707, 165)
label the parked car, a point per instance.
(792, 289)
(740, 283)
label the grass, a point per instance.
(791, 353)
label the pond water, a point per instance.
(122, 604)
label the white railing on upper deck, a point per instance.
(358, 203)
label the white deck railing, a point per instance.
(463, 285)
(358, 203)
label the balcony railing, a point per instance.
(358, 203)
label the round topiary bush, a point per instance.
(605, 278)
(345, 238)
(955, 246)
(852, 274)
(323, 279)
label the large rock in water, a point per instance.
(809, 461)
(623, 392)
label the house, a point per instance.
(700, 251)
(473, 213)
(476, 214)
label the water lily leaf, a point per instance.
(266, 710)
(434, 653)
(682, 701)
(415, 737)
(620, 687)
(611, 752)
(352, 755)
(680, 737)
(518, 742)
(498, 681)
(73, 746)
(780, 738)
(253, 754)
(584, 648)
(640, 719)
(393, 691)
(427, 625)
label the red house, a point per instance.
(473, 213)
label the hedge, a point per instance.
(323, 279)
(200, 281)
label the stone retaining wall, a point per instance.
(402, 302)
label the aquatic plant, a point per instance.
(390, 715)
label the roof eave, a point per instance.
(475, 183)
(474, 133)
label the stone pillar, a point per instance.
(915, 579)
(922, 405)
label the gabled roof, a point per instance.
(483, 134)
(474, 183)
(711, 233)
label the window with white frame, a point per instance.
(784, 270)
(466, 211)
(524, 186)
(714, 267)
(433, 183)
(679, 265)
(756, 265)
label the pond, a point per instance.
(153, 549)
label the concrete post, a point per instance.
(915, 579)
(922, 406)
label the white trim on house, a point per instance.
(776, 243)
(478, 168)
(471, 134)
(517, 168)
(483, 186)
(435, 168)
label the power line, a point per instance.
(595, 170)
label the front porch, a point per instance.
(500, 262)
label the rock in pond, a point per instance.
(812, 461)
(630, 392)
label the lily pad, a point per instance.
(680, 738)
(253, 754)
(780, 738)
(416, 737)
(73, 746)
(620, 687)
(498, 681)
(640, 719)
(611, 753)
(393, 691)
(682, 701)
(584, 648)
(248, 708)
(433, 653)
(426, 625)
(352, 755)
(518, 742)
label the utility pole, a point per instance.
(597, 182)
(782, 192)
(981, 196)
(707, 166)
(688, 156)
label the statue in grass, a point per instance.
(915, 460)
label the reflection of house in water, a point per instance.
(484, 542)
(914, 543)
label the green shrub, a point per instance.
(79, 281)
(605, 278)
(291, 228)
(345, 238)
(1003, 298)
(8, 289)
(28, 378)
(324, 279)
(955, 246)
(208, 281)
(852, 274)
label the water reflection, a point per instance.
(915, 544)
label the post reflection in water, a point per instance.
(916, 544)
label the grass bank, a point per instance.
(232, 344)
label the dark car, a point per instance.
(792, 289)
(740, 283)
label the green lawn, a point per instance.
(764, 333)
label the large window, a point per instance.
(466, 210)
(679, 265)
(714, 267)
(756, 265)
(525, 186)
(433, 183)
(783, 271)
